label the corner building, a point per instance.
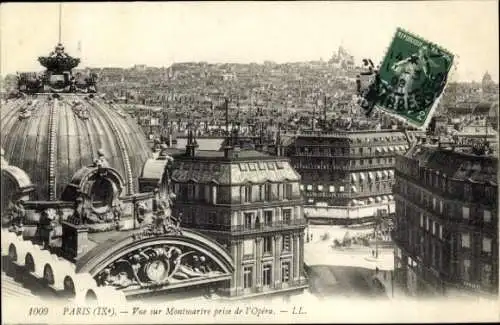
(446, 225)
(250, 203)
(347, 176)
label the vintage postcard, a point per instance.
(244, 162)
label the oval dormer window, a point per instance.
(101, 194)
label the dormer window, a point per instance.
(101, 194)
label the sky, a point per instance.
(158, 34)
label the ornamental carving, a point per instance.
(58, 76)
(15, 217)
(157, 266)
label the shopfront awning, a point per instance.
(371, 200)
(378, 199)
(386, 173)
(320, 187)
(362, 176)
(353, 189)
(391, 197)
(385, 198)
(379, 175)
(370, 175)
(353, 177)
(391, 173)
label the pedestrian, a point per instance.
(373, 253)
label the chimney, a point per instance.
(191, 144)
(279, 151)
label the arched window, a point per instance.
(101, 193)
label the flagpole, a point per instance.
(60, 21)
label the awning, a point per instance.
(341, 189)
(377, 149)
(384, 149)
(386, 173)
(309, 187)
(385, 198)
(391, 148)
(353, 177)
(310, 201)
(332, 189)
(391, 197)
(370, 175)
(320, 187)
(401, 148)
(301, 187)
(362, 176)
(361, 202)
(378, 199)
(379, 175)
(354, 202)
(353, 188)
(391, 172)
(371, 200)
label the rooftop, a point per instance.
(459, 163)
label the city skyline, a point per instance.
(125, 34)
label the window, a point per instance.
(285, 244)
(487, 216)
(434, 226)
(247, 277)
(427, 222)
(440, 232)
(101, 194)
(466, 270)
(465, 212)
(285, 272)
(267, 192)
(441, 206)
(247, 193)
(191, 194)
(421, 220)
(433, 203)
(465, 240)
(267, 245)
(288, 191)
(266, 275)
(268, 217)
(487, 245)
(486, 272)
(211, 218)
(287, 216)
(341, 189)
(248, 220)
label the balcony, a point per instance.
(245, 229)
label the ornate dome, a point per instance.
(52, 136)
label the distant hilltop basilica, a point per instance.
(342, 59)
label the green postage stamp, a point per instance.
(412, 75)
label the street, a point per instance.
(343, 272)
(345, 281)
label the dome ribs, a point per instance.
(121, 145)
(53, 149)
